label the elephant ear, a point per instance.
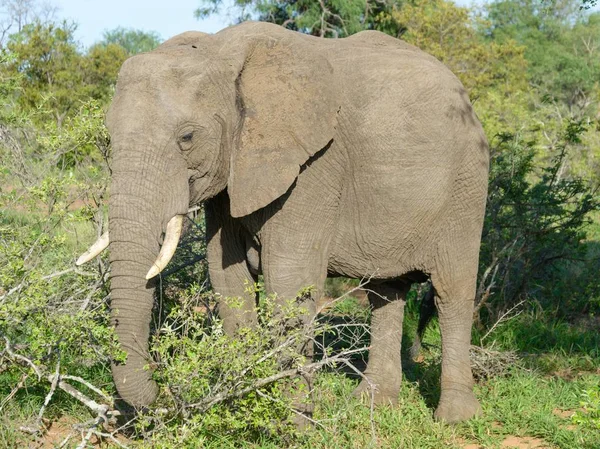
(287, 95)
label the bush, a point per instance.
(535, 227)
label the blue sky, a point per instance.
(167, 17)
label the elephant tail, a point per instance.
(427, 311)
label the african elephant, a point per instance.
(355, 157)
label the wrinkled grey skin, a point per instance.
(354, 157)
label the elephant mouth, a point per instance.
(167, 250)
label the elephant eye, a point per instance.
(185, 141)
(187, 137)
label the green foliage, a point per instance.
(590, 403)
(82, 137)
(561, 46)
(47, 55)
(327, 18)
(100, 67)
(534, 221)
(133, 41)
(199, 366)
(55, 75)
(52, 316)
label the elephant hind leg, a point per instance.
(383, 376)
(454, 298)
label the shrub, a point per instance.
(535, 226)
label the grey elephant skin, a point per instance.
(357, 157)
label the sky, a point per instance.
(167, 17)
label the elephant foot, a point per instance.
(303, 417)
(457, 405)
(301, 395)
(382, 390)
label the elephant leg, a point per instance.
(229, 273)
(286, 277)
(454, 300)
(293, 260)
(384, 369)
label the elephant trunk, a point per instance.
(139, 208)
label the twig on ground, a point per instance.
(89, 385)
(53, 385)
(21, 358)
(65, 441)
(85, 439)
(487, 363)
(103, 411)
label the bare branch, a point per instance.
(89, 385)
(21, 358)
(210, 401)
(14, 391)
(506, 316)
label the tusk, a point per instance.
(100, 245)
(169, 246)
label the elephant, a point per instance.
(357, 157)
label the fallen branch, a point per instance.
(210, 401)
(104, 412)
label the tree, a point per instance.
(49, 63)
(324, 18)
(133, 41)
(447, 31)
(56, 75)
(100, 68)
(560, 46)
(15, 14)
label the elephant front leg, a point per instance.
(228, 269)
(383, 376)
(288, 278)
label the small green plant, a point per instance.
(589, 416)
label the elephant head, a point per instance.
(241, 110)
